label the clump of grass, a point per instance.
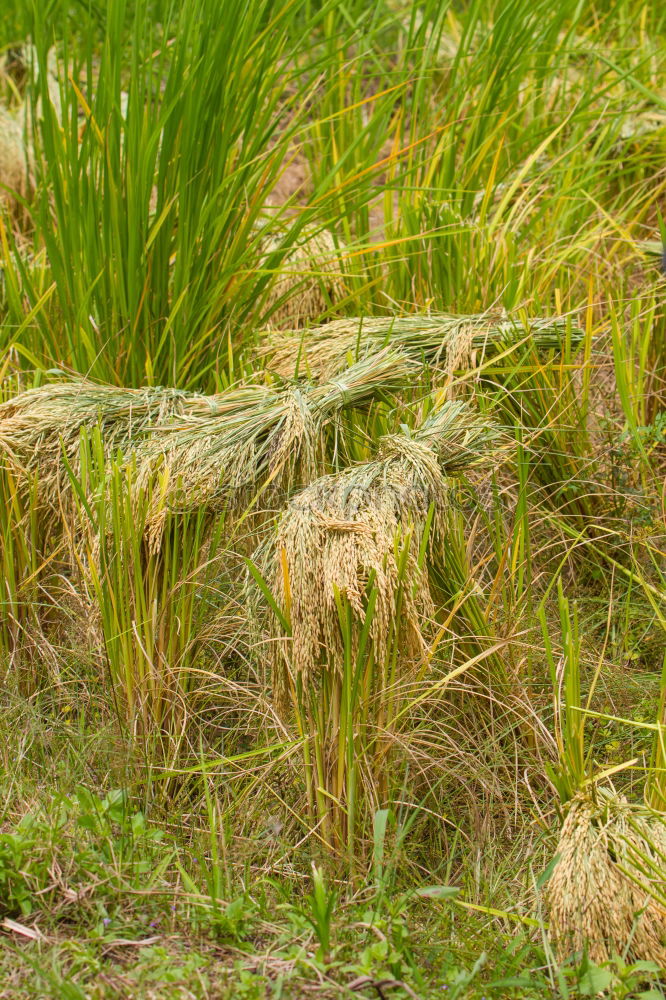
(156, 609)
(25, 554)
(450, 341)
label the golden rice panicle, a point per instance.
(335, 534)
(597, 897)
(310, 279)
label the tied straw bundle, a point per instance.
(309, 279)
(607, 890)
(40, 426)
(256, 436)
(440, 339)
(209, 450)
(339, 533)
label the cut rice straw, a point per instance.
(259, 435)
(599, 896)
(41, 425)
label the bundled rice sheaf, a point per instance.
(211, 449)
(341, 530)
(257, 435)
(608, 888)
(13, 158)
(17, 154)
(452, 342)
(40, 426)
(309, 281)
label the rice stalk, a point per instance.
(598, 896)
(452, 342)
(154, 612)
(350, 573)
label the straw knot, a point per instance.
(344, 391)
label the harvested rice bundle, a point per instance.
(440, 339)
(17, 155)
(309, 280)
(22, 65)
(258, 434)
(342, 529)
(37, 425)
(13, 158)
(603, 894)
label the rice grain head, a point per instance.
(598, 896)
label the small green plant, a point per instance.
(616, 978)
(94, 836)
(319, 909)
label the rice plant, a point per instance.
(156, 610)
(331, 475)
(599, 897)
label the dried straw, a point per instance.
(598, 895)
(342, 529)
(309, 280)
(214, 449)
(453, 342)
